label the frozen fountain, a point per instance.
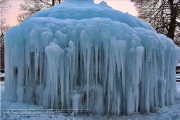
(81, 55)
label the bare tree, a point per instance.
(3, 27)
(177, 36)
(29, 7)
(162, 14)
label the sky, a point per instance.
(122, 5)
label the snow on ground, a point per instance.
(178, 64)
(166, 113)
(178, 86)
(2, 74)
(177, 76)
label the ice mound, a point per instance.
(81, 55)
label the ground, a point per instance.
(165, 113)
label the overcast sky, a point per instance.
(122, 5)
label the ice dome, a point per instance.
(81, 55)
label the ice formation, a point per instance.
(81, 55)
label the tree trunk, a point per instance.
(172, 24)
(53, 2)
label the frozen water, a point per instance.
(165, 113)
(81, 55)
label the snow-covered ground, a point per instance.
(166, 113)
(2, 74)
(178, 76)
